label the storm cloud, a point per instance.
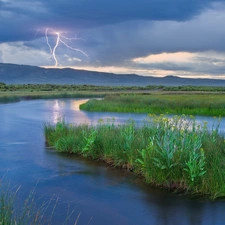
(17, 17)
(115, 33)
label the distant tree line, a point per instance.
(73, 87)
(194, 88)
(70, 87)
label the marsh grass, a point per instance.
(31, 210)
(12, 213)
(188, 104)
(174, 153)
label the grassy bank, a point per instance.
(150, 99)
(189, 104)
(176, 154)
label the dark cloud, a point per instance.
(106, 12)
(115, 44)
(80, 14)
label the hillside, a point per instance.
(23, 74)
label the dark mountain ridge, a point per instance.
(23, 74)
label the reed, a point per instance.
(174, 153)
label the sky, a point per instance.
(184, 38)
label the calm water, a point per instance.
(103, 195)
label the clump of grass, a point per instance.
(13, 214)
(15, 211)
(175, 153)
(188, 104)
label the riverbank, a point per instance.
(188, 100)
(206, 104)
(175, 154)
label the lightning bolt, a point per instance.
(47, 41)
(60, 39)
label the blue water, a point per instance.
(102, 195)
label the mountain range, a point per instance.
(24, 74)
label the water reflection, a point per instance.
(69, 110)
(60, 108)
(57, 114)
(74, 105)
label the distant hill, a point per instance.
(23, 74)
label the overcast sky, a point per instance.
(147, 37)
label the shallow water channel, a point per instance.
(100, 194)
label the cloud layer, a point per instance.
(127, 35)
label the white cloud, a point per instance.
(20, 54)
(73, 59)
(165, 57)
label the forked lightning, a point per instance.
(60, 39)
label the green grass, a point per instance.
(189, 104)
(176, 154)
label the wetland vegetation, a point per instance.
(31, 210)
(188, 104)
(173, 153)
(15, 92)
(13, 214)
(189, 100)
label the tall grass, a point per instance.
(175, 153)
(31, 210)
(14, 213)
(189, 104)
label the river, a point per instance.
(102, 195)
